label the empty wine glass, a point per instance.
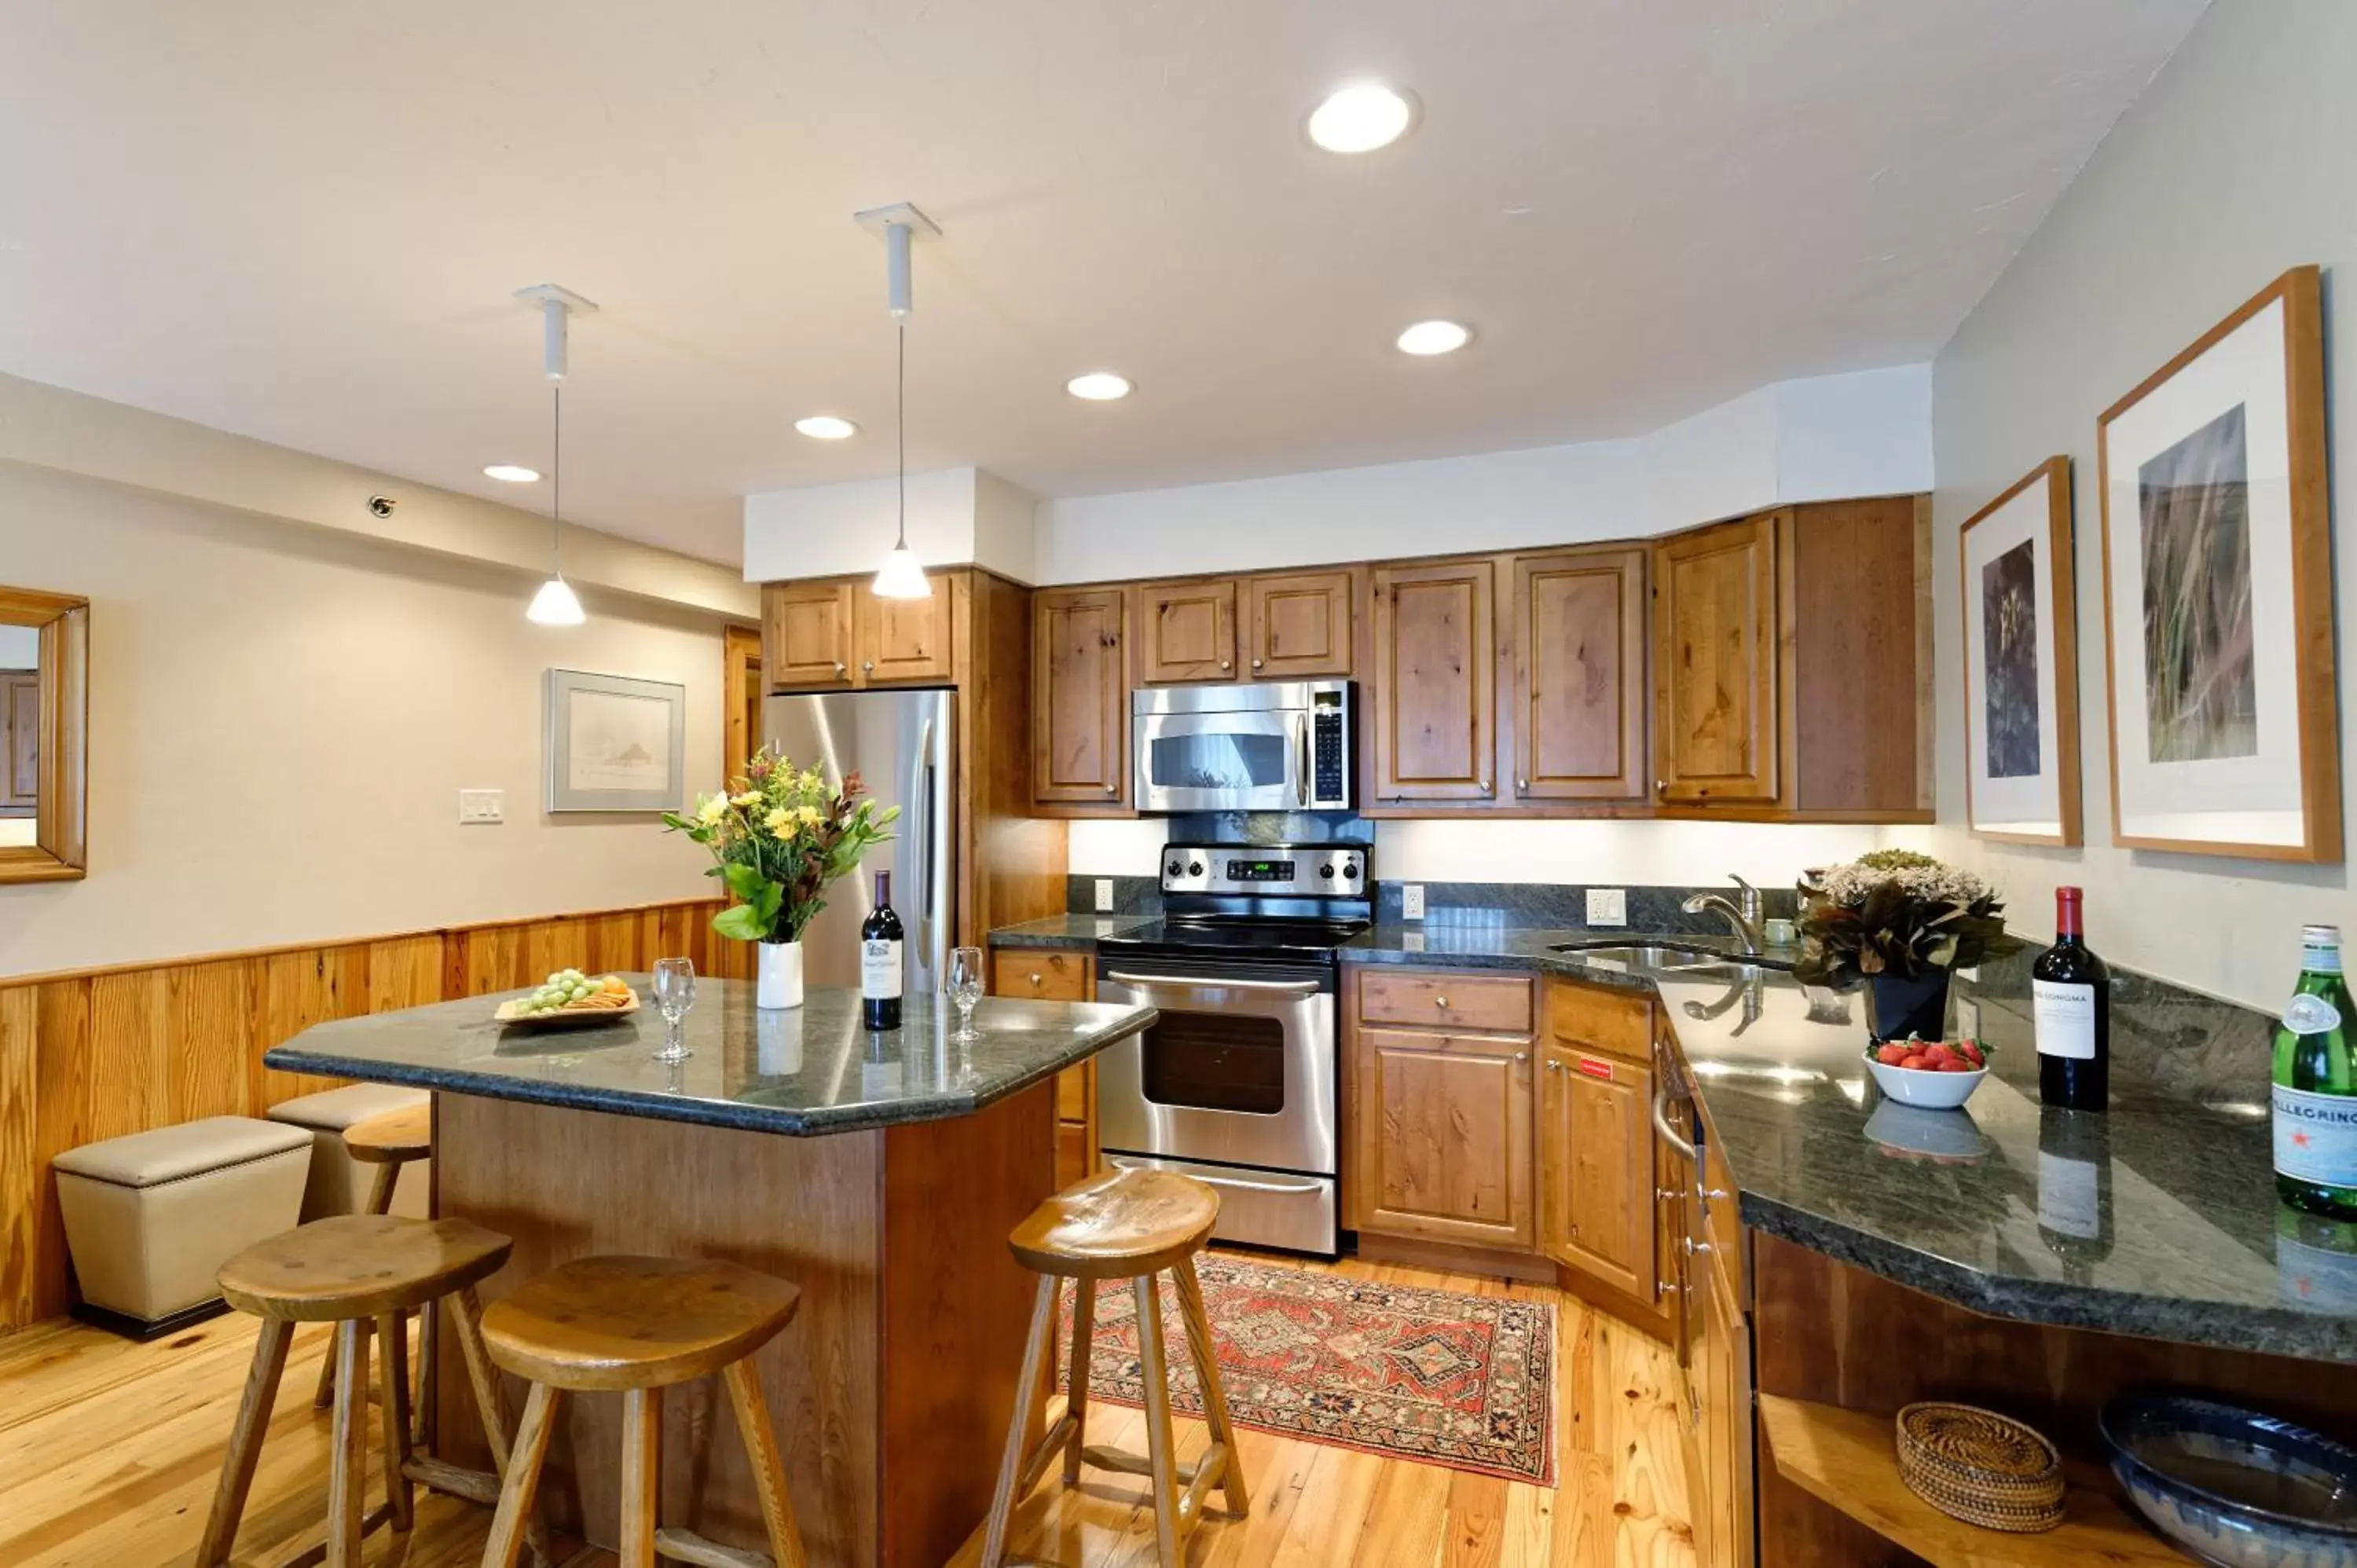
(965, 987)
(674, 990)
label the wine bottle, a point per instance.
(2316, 1087)
(2071, 1004)
(880, 976)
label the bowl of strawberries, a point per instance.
(1938, 1074)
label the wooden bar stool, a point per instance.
(389, 1141)
(358, 1272)
(1132, 1225)
(637, 1325)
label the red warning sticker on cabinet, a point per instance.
(1595, 1069)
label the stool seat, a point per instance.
(1117, 1225)
(394, 1136)
(635, 1323)
(359, 1266)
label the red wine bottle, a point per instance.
(2070, 996)
(881, 976)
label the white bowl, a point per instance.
(1925, 1091)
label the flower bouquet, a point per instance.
(1901, 923)
(777, 840)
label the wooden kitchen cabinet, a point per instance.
(1048, 975)
(808, 640)
(904, 642)
(1186, 631)
(1080, 705)
(1596, 1152)
(1298, 625)
(837, 635)
(20, 736)
(1715, 674)
(1444, 1131)
(1720, 1391)
(1434, 694)
(1577, 661)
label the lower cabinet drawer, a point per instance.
(1426, 999)
(1072, 1094)
(1046, 975)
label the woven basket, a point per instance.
(1979, 1466)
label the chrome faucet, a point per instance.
(1742, 912)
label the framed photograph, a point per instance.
(615, 744)
(2218, 592)
(2022, 663)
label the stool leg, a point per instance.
(1160, 1444)
(641, 1475)
(1215, 1392)
(246, 1442)
(466, 1322)
(348, 1465)
(325, 1394)
(1018, 1428)
(379, 1201)
(421, 1409)
(769, 1470)
(392, 1394)
(522, 1481)
(1084, 1323)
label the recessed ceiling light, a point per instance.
(513, 473)
(1360, 118)
(1098, 386)
(826, 427)
(1426, 338)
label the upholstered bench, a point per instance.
(339, 1184)
(151, 1218)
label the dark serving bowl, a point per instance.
(2232, 1487)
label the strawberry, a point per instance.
(1891, 1055)
(1955, 1064)
(1915, 1062)
(1972, 1053)
(1939, 1056)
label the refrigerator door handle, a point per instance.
(921, 800)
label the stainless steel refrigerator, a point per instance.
(903, 746)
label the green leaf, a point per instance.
(741, 922)
(745, 881)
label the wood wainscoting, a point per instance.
(99, 1053)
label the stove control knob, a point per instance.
(1174, 868)
(1194, 868)
(1325, 872)
(1350, 871)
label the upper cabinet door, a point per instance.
(1300, 626)
(906, 641)
(20, 737)
(1435, 652)
(1578, 620)
(1080, 715)
(809, 639)
(1715, 720)
(1187, 632)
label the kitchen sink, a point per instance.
(1665, 955)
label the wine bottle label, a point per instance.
(879, 968)
(2310, 1015)
(2064, 1014)
(2070, 1197)
(2316, 1136)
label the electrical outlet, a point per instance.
(1104, 894)
(1411, 900)
(477, 807)
(1608, 906)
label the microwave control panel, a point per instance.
(1329, 751)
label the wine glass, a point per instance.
(964, 976)
(674, 990)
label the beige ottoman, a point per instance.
(151, 1218)
(339, 1184)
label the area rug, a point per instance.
(1436, 1376)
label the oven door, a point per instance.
(1238, 1070)
(1251, 760)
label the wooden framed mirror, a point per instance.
(44, 736)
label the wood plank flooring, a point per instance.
(109, 1452)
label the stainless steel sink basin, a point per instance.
(1665, 955)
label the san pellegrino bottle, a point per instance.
(2316, 1085)
(881, 977)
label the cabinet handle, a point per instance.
(1521, 1056)
(840, 666)
(1440, 1002)
(1484, 783)
(1113, 789)
(1667, 1195)
(1255, 665)
(1522, 786)
(1554, 1066)
(1661, 786)
(1035, 979)
(1716, 1194)
(867, 666)
(1694, 1246)
(1227, 663)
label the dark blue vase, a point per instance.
(1909, 1004)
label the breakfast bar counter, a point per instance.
(881, 1173)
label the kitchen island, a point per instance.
(878, 1172)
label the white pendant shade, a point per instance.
(902, 577)
(555, 605)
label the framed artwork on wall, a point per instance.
(2022, 663)
(2218, 592)
(614, 744)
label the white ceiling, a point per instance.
(302, 221)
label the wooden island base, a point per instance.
(892, 1388)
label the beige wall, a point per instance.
(283, 714)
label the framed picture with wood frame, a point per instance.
(44, 736)
(2218, 592)
(2022, 663)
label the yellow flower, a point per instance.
(809, 781)
(779, 822)
(711, 810)
(811, 815)
(749, 798)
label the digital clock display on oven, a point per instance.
(1260, 871)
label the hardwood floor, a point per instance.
(109, 1452)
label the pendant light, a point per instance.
(902, 576)
(556, 604)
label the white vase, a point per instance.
(780, 981)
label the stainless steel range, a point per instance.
(1234, 1084)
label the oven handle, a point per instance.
(1301, 751)
(1290, 1189)
(1200, 983)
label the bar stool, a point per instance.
(358, 1272)
(390, 1142)
(637, 1325)
(1132, 1225)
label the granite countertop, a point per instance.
(1075, 933)
(809, 1069)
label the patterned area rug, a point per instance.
(1436, 1376)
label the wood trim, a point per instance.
(741, 683)
(2311, 544)
(61, 848)
(2064, 591)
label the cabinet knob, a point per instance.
(867, 666)
(1555, 1066)
(1227, 663)
(1035, 977)
(1440, 1002)
(1694, 1246)
(1113, 789)
(839, 667)
(1716, 1194)
(1256, 663)
(1484, 784)
(1661, 786)
(1521, 1056)
(1522, 786)
(1667, 1195)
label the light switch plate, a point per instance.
(1608, 906)
(1104, 894)
(1411, 900)
(477, 807)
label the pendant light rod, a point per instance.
(557, 306)
(556, 604)
(900, 226)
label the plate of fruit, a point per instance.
(569, 997)
(1936, 1075)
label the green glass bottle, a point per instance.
(2316, 1085)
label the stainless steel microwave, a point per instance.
(1264, 746)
